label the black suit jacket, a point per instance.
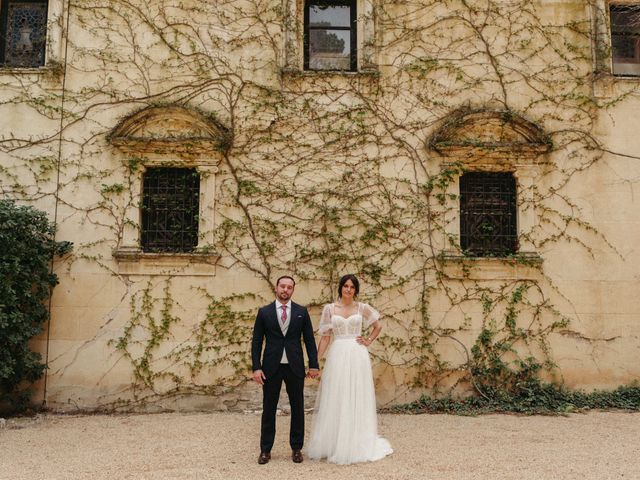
(267, 327)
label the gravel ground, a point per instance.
(597, 445)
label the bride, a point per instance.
(345, 425)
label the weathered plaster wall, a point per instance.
(225, 59)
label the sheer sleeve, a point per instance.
(325, 320)
(369, 315)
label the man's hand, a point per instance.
(258, 376)
(313, 373)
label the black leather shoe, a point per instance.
(264, 458)
(296, 456)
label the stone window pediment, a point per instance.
(490, 134)
(170, 130)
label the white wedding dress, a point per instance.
(345, 425)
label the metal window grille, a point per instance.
(330, 35)
(625, 38)
(488, 214)
(170, 209)
(23, 26)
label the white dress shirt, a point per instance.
(284, 327)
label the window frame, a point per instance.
(486, 140)
(146, 209)
(621, 61)
(606, 77)
(506, 247)
(196, 141)
(353, 29)
(129, 254)
(4, 26)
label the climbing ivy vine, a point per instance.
(322, 174)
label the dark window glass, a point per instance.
(488, 214)
(625, 38)
(330, 35)
(24, 33)
(170, 209)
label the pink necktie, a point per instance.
(283, 318)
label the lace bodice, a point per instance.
(348, 327)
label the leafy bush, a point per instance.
(535, 397)
(27, 246)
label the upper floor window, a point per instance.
(625, 38)
(23, 25)
(170, 206)
(330, 35)
(488, 214)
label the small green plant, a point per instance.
(27, 246)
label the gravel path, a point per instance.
(597, 445)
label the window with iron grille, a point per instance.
(23, 25)
(625, 38)
(170, 205)
(488, 214)
(330, 35)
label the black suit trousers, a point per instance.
(270, 395)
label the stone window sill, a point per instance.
(48, 75)
(521, 266)
(626, 77)
(50, 69)
(299, 73)
(132, 261)
(607, 84)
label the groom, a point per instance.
(282, 323)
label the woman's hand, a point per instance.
(372, 336)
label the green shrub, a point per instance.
(535, 397)
(27, 246)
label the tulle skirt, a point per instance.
(345, 425)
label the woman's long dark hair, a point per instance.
(343, 280)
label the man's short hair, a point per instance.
(285, 276)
